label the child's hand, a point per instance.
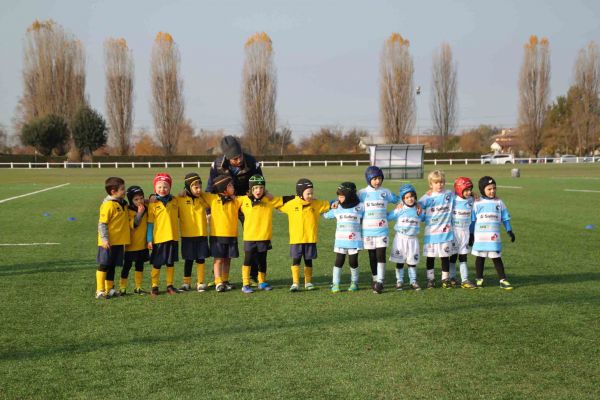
(182, 193)
(141, 209)
(105, 244)
(475, 197)
(149, 246)
(512, 236)
(268, 195)
(400, 206)
(335, 204)
(419, 209)
(152, 198)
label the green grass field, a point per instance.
(539, 341)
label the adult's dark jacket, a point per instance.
(240, 176)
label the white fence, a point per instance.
(290, 163)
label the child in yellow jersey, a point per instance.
(303, 215)
(258, 230)
(136, 251)
(113, 235)
(163, 232)
(223, 229)
(194, 232)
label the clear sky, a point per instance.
(326, 52)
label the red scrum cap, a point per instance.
(162, 177)
(461, 184)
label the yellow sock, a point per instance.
(262, 277)
(218, 280)
(307, 275)
(139, 277)
(100, 284)
(170, 274)
(295, 274)
(246, 275)
(155, 276)
(123, 283)
(187, 280)
(225, 277)
(200, 272)
(109, 285)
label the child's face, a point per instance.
(138, 200)
(467, 193)
(162, 189)
(230, 190)
(490, 191)
(258, 191)
(438, 186)
(307, 195)
(341, 198)
(409, 199)
(376, 182)
(119, 193)
(196, 188)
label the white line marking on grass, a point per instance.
(582, 190)
(510, 187)
(37, 191)
(28, 244)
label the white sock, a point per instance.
(337, 275)
(452, 270)
(445, 275)
(464, 271)
(374, 278)
(354, 275)
(380, 272)
(430, 275)
(399, 274)
(412, 274)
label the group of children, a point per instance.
(453, 221)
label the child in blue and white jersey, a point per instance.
(348, 237)
(439, 237)
(489, 212)
(406, 244)
(375, 226)
(463, 237)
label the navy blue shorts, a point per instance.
(260, 246)
(110, 257)
(195, 248)
(308, 251)
(165, 253)
(137, 256)
(224, 247)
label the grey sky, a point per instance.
(326, 52)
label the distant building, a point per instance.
(508, 141)
(431, 142)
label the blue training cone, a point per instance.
(590, 226)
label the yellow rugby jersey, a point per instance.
(114, 215)
(138, 234)
(192, 216)
(303, 217)
(165, 220)
(223, 217)
(258, 219)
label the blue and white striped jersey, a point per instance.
(407, 221)
(461, 213)
(438, 216)
(488, 215)
(348, 230)
(375, 202)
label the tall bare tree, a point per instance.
(444, 103)
(119, 93)
(396, 94)
(585, 112)
(167, 91)
(53, 73)
(534, 92)
(259, 92)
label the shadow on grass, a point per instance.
(210, 333)
(46, 267)
(552, 279)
